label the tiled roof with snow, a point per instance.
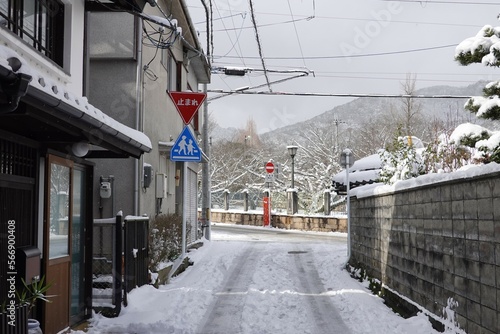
(60, 91)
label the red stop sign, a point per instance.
(270, 167)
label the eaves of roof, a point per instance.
(69, 111)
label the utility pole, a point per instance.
(336, 122)
(205, 173)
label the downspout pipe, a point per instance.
(139, 114)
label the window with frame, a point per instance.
(40, 23)
(174, 71)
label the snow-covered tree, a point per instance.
(401, 161)
(483, 48)
(445, 154)
(315, 163)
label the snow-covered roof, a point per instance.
(62, 94)
(359, 177)
(370, 162)
(363, 171)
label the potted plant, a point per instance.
(29, 296)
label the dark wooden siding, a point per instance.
(18, 168)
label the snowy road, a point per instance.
(258, 281)
(296, 284)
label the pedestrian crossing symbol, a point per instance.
(185, 148)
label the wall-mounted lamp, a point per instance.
(80, 149)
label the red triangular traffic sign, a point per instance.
(187, 103)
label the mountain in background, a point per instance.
(355, 113)
(225, 134)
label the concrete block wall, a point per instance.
(296, 222)
(434, 243)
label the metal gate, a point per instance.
(136, 252)
(107, 265)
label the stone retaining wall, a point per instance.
(436, 244)
(296, 222)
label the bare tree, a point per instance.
(410, 112)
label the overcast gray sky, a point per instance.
(352, 47)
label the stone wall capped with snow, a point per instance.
(438, 245)
(296, 222)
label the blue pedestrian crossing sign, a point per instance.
(185, 148)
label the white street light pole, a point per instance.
(348, 157)
(292, 151)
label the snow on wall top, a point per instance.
(468, 171)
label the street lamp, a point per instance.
(292, 150)
(292, 193)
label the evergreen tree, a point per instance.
(400, 161)
(483, 48)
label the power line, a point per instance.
(308, 18)
(353, 55)
(399, 96)
(297, 34)
(323, 17)
(230, 39)
(242, 14)
(259, 44)
(425, 2)
(323, 73)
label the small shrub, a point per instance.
(165, 240)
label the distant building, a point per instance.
(363, 171)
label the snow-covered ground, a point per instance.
(275, 298)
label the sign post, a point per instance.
(267, 211)
(269, 180)
(186, 147)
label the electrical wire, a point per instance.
(322, 17)
(259, 44)
(230, 38)
(426, 2)
(265, 25)
(259, 86)
(297, 34)
(240, 31)
(223, 17)
(353, 55)
(398, 96)
(156, 52)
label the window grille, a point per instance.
(17, 159)
(40, 23)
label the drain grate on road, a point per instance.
(297, 252)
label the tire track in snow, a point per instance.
(225, 312)
(326, 317)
